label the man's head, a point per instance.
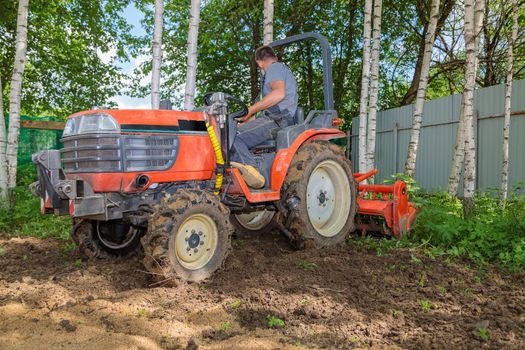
(264, 57)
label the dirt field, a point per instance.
(336, 298)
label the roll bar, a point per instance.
(327, 62)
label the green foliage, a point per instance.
(235, 304)
(72, 50)
(226, 325)
(382, 245)
(425, 305)
(275, 322)
(483, 333)
(78, 263)
(25, 218)
(141, 312)
(422, 280)
(494, 234)
(412, 185)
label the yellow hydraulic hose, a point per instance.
(218, 155)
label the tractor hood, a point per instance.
(135, 120)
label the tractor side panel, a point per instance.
(284, 157)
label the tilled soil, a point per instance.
(345, 297)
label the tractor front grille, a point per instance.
(101, 153)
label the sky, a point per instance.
(133, 16)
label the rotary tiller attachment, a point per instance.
(383, 208)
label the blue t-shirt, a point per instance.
(278, 71)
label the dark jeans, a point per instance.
(251, 134)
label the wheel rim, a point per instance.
(328, 198)
(130, 236)
(196, 241)
(256, 220)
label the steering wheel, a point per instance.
(238, 114)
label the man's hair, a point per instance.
(264, 52)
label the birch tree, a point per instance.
(365, 80)
(458, 155)
(410, 165)
(471, 33)
(191, 69)
(157, 54)
(268, 22)
(508, 103)
(3, 144)
(374, 87)
(15, 92)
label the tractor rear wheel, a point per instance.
(97, 239)
(253, 224)
(188, 238)
(320, 195)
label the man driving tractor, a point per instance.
(278, 107)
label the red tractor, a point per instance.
(163, 179)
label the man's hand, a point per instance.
(247, 117)
(274, 97)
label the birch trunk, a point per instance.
(15, 93)
(472, 32)
(508, 104)
(365, 80)
(191, 70)
(3, 143)
(157, 54)
(374, 87)
(268, 22)
(459, 146)
(410, 165)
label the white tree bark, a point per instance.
(191, 70)
(3, 144)
(268, 22)
(459, 146)
(410, 165)
(504, 189)
(16, 90)
(157, 54)
(472, 31)
(374, 87)
(365, 80)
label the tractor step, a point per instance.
(384, 208)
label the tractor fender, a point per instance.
(283, 158)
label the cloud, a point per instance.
(126, 102)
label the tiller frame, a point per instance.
(389, 202)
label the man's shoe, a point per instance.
(251, 176)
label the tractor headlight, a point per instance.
(89, 123)
(69, 129)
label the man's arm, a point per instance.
(274, 97)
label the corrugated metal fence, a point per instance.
(438, 134)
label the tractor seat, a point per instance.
(270, 144)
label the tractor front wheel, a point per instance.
(188, 238)
(320, 195)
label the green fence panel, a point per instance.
(34, 140)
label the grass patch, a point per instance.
(425, 305)
(483, 333)
(495, 234)
(235, 304)
(25, 218)
(275, 322)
